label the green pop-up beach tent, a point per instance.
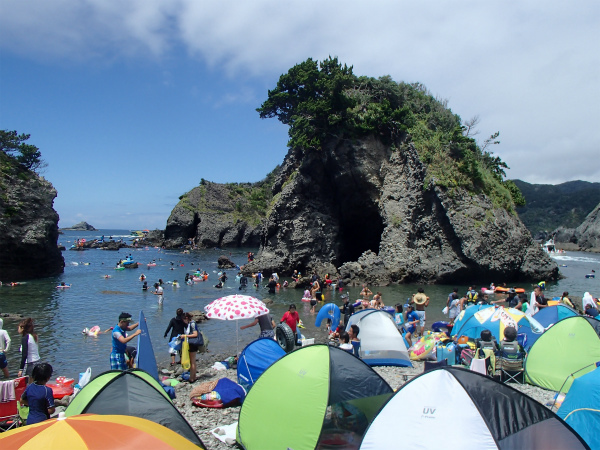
(567, 347)
(131, 393)
(312, 396)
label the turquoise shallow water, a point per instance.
(61, 314)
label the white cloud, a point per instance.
(530, 69)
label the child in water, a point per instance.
(38, 396)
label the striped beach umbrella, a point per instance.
(90, 431)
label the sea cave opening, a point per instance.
(361, 227)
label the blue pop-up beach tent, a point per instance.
(465, 315)
(255, 359)
(497, 320)
(581, 407)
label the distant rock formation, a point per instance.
(361, 208)
(81, 226)
(225, 263)
(28, 225)
(217, 215)
(585, 237)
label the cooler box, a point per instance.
(447, 352)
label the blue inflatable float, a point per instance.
(328, 311)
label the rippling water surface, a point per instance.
(61, 314)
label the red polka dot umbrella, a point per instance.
(235, 307)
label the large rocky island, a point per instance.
(381, 184)
(28, 222)
(585, 237)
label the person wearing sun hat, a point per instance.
(120, 340)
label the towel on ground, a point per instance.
(228, 431)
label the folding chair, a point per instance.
(9, 411)
(510, 362)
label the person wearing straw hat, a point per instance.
(421, 301)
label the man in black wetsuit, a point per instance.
(347, 309)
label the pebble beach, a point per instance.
(203, 420)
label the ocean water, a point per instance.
(61, 314)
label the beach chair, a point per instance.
(9, 410)
(510, 362)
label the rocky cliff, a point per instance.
(363, 209)
(218, 215)
(28, 225)
(585, 237)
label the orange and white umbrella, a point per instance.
(91, 431)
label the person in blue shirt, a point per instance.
(412, 319)
(120, 340)
(38, 396)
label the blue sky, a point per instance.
(132, 103)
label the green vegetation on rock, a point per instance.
(246, 202)
(15, 152)
(324, 100)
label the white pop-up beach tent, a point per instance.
(457, 409)
(380, 342)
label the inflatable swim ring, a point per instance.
(63, 286)
(62, 387)
(590, 275)
(424, 347)
(328, 311)
(94, 331)
(119, 268)
(306, 299)
(487, 291)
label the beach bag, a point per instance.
(203, 348)
(466, 356)
(175, 343)
(198, 340)
(445, 311)
(185, 355)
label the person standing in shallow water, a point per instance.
(421, 301)
(159, 291)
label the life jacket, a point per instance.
(472, 297)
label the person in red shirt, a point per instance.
(291, 317)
